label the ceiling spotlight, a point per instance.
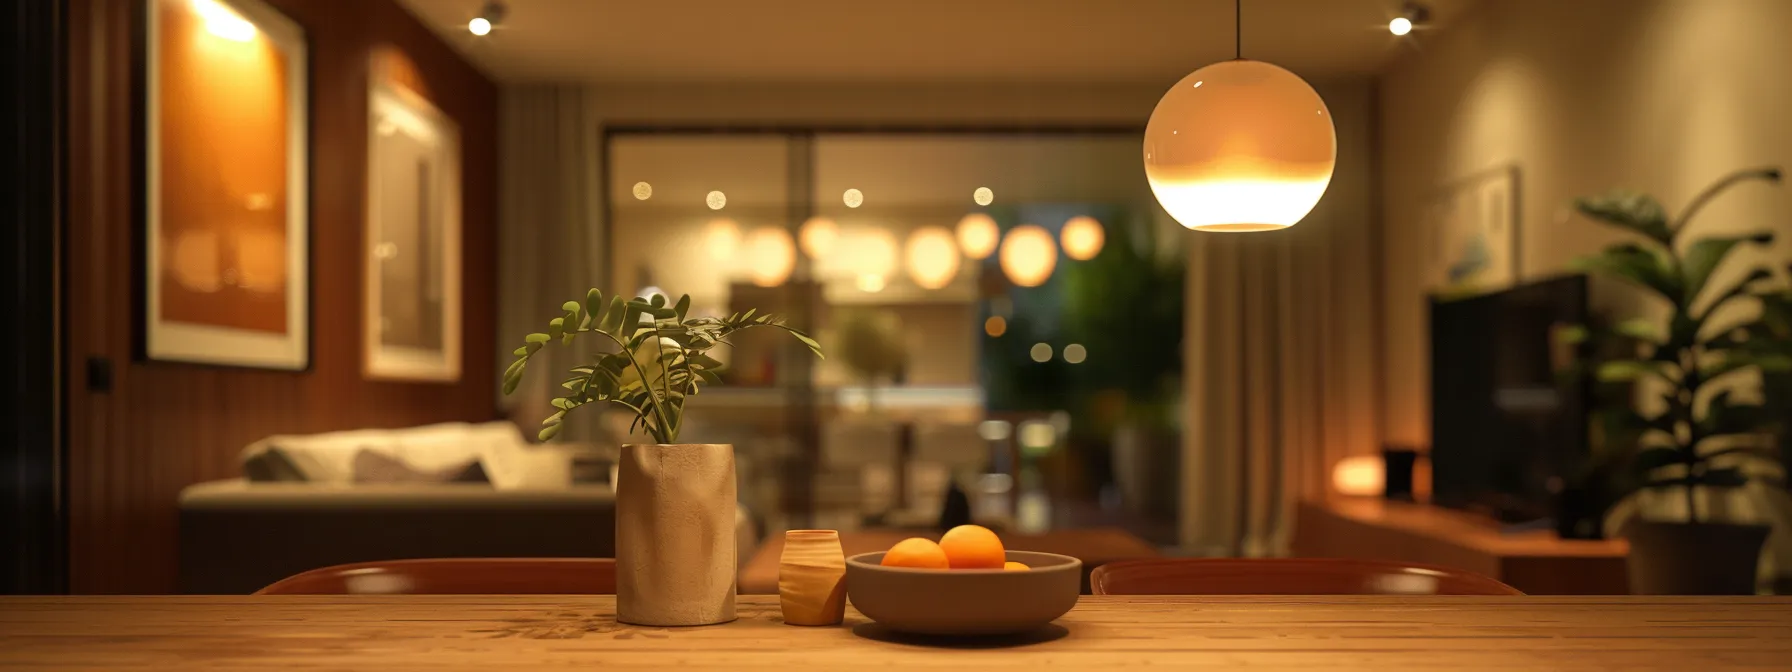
(489, 15)
(1411, 14)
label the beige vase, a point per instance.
(812, 578)
(675, 512)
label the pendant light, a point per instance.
(1239, 145)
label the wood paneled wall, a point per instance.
(163, 426)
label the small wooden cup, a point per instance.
(812, 578)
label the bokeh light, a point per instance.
(978, 235)
(931, 257)
(1028, 255)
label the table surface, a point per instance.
(1094, 546)
(564, 632)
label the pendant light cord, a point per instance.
(1237, 29)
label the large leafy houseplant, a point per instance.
(1695, 357)
(675, 506)
(661, 357)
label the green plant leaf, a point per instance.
(1638, 266)
(1737, 360)
(1704, 256)
(549, 432)
(1723, 418)
(657, 300)
(1742, 288)
(1626, 370)
(556, 327)
(1629, 210)
(1639, 329)
(537, 337)
(1757, 452)
(522, 351)
(682, 307)
(571, 307)
(555, 418)
(594, 308)
(612, 322)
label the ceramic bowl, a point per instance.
(964, 601)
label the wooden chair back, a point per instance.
(1287, 576)
(456, 576)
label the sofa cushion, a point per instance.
(505, 456)
(375, 467)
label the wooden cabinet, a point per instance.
(1537, 562)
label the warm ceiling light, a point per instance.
(870, 282)
(932, 257)
(978, 235)
(1028, 255)
(853, 198)
(720, 237)
(489, 16)
(1082, 238)
(818, 236)
(1239, 145)
(1400, 26)
(643, 191)
(1412, 15)
(995, 326)
(224, 22)
(983, 196)
(772, 255)
(716, 200)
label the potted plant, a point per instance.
(1698, 434)
(675, 503)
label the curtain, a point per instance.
(551, 242)
(1280, 377)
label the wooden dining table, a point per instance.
(1102, 633)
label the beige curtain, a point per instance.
(550, 232)
(1280, 357)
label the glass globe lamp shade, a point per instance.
(932, 257)
(1240, 145)
(1028, 255)
(1082, 237)
(978, 235)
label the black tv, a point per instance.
(1509, 425)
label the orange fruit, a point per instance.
(973, 547)
(916, 552)
(1015, 567)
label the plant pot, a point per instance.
(812, 578)
(1693, 558)
(675, 547)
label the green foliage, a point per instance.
(660, 359)
(1674, 354)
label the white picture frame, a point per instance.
(224, 289)
(411, 326)
(1471, 228)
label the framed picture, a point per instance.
(224, 251)
(1472, 230)
(411, 329)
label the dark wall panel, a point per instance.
(163, 426)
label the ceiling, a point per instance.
(917, 40)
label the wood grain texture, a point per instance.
(1536, 562)
(164, 426)
(1094, 546)
(1101, 633)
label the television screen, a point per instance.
(1508, 427)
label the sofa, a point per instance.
(448, 490)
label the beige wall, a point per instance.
(1662, 96)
